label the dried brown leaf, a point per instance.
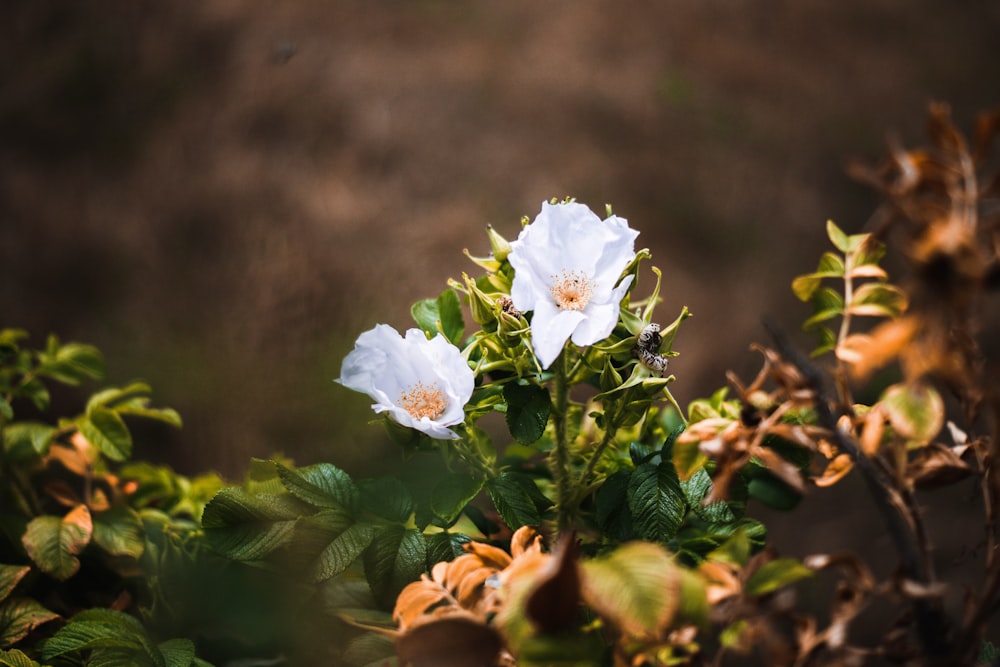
(456, 640)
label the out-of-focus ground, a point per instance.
(222, 194)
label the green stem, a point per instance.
(560, 452)
(598, 452)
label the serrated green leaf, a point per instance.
(611, 511)
(105, 429)
(774, 575)
(656, 500)
(247, 527)
(696, 488)
(396, 557)
(16, 658)
(445, 546)
(636, 588)
(528, 408)
(104, 629)
(342, 551)
(177, 652)
(513, 500)
(18, 617)
(387, 497)
(119, 531)
(451, 494)
(320, 485)
(24, 440)
(53, 543)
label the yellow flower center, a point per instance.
(572, 290)
(421, 400)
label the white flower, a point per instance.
(421, 383)
(566, 264)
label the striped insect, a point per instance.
(647, 349)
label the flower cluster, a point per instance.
(569, 273)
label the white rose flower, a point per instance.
(566, 264)
(422, 383)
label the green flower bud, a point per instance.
(483, 306)
(512, 322)
(498, 244)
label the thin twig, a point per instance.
(932, 628)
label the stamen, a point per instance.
(572, 290)
(421, 400)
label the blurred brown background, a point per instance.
(221, 194)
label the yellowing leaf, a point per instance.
(916, 411)
(636, 588)
(53, 543)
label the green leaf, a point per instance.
(247, 527)
(656, 500)
(528, 407)
(119, 531)
(445, 546)
(916, 411)
(342, 551)
(425, 314)
(440, 315)
(22, 440)
(774, 575)
(10, 576)
(18, 617)
(636, 588)
(71, 363)
(396, 557)
(177, 652)
(695, 489)
(104, 629)
(387, 497)
(517, 499)
(105, 430)
(113, 397)
(878, 299)
(450, 315)
(839, 239)
(451, 494)
(805, 286)
(54, 543)
(320, 485)
(830, 266)
(15, 658)
(611, 510)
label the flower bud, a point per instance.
(512, 322)
(482, 306)
(498, 244)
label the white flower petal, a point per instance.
(394, 370)
(566, 263)
(550, 328)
